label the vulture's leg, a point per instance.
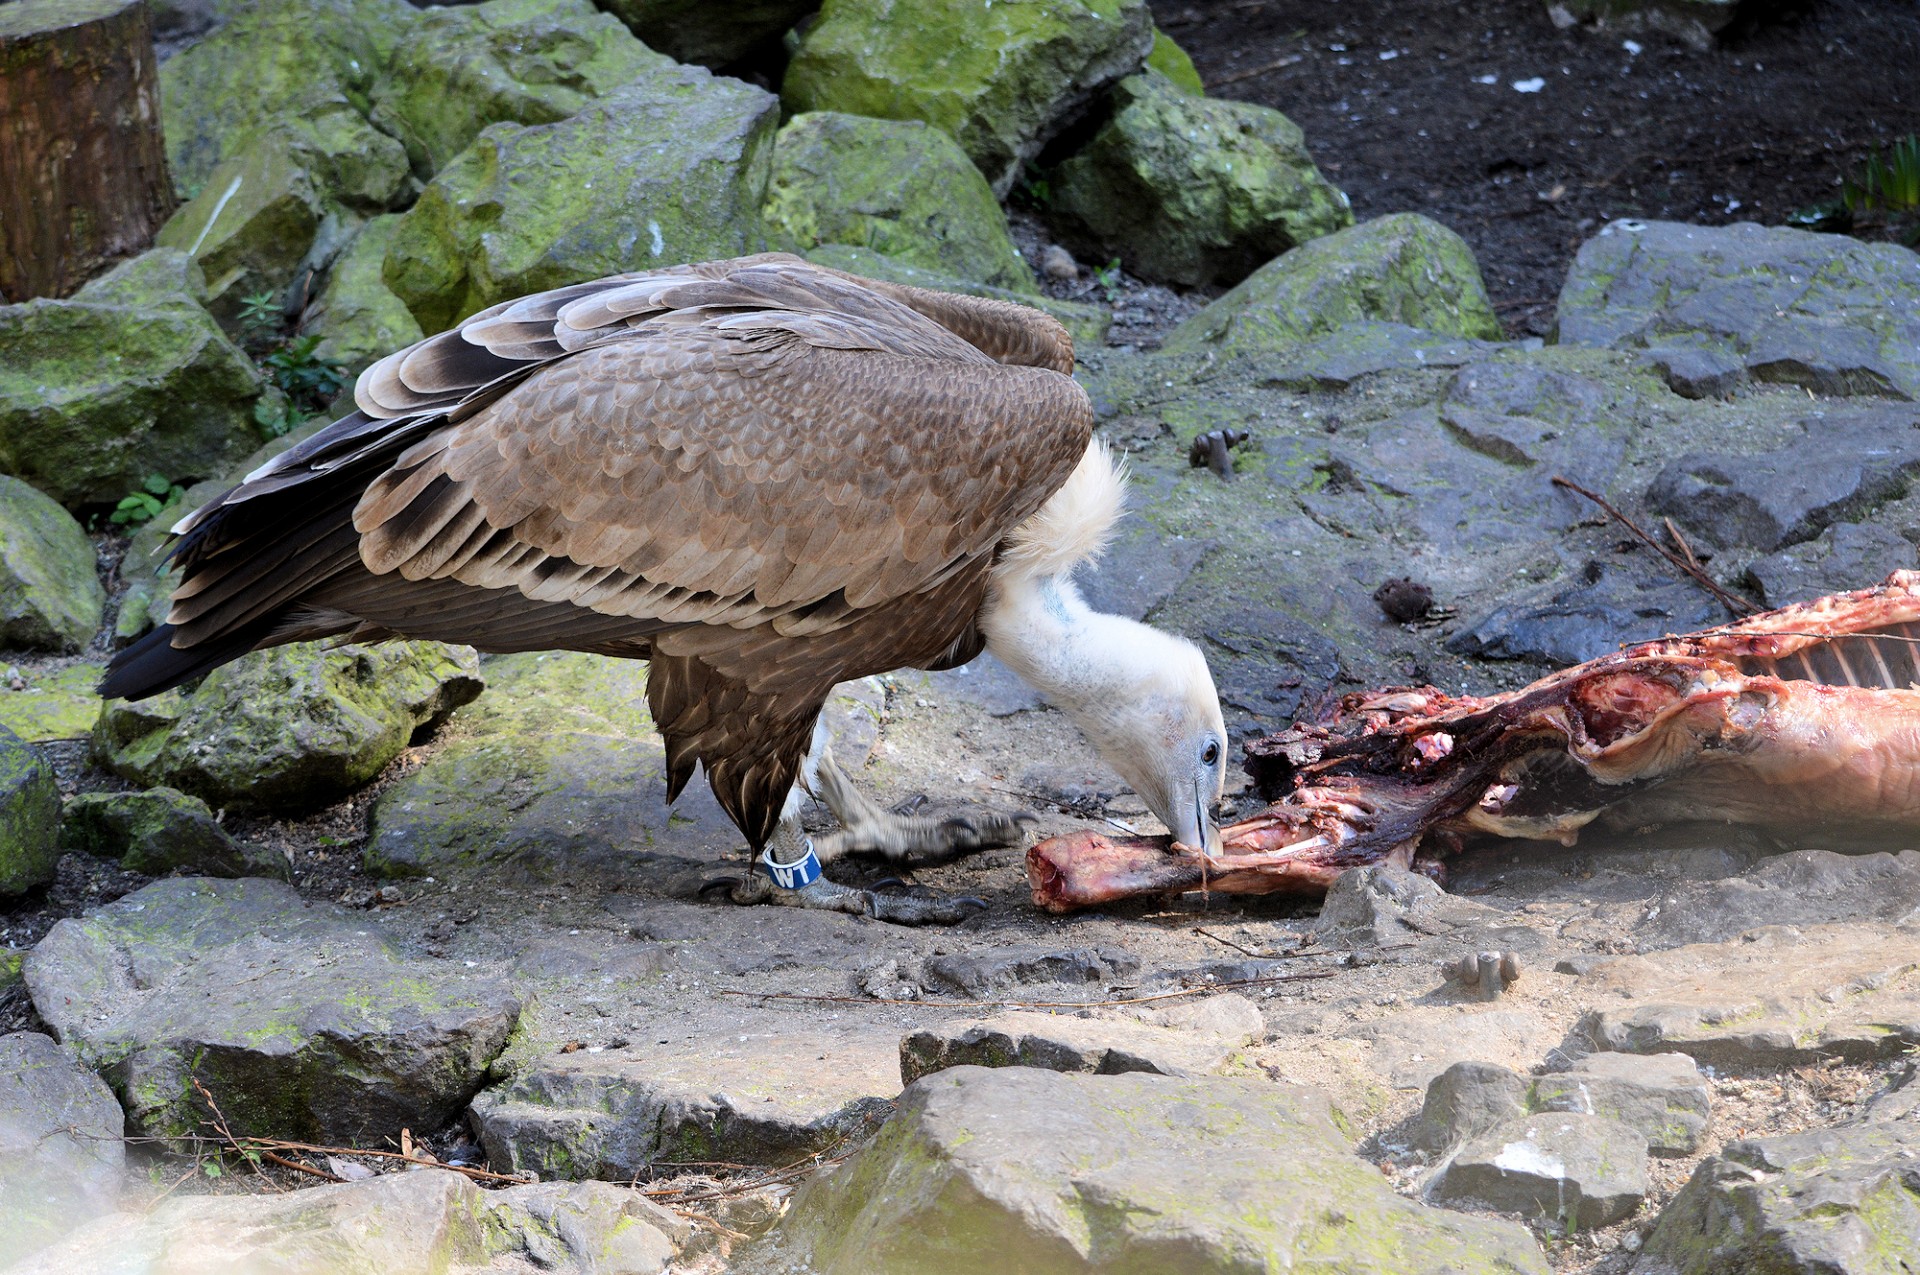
(868, 829)
(791, 847)
(792, 855)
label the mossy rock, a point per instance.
(29, 816)
(1172, 61)
(671, 168)
(162, 830)
(898, 187)
(1001, 79)
(525, 61)
(1404, 269)
(288, 729)
(298, 69)
(1087, 324)
(54, 703)
(710, 34)
(50, 597)
(127, 378)
(1061, 1173)
(357, 317)
(1192, 190)
(250, 226)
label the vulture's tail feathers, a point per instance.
(154, 664)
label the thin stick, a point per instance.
(1252, 71)
(1208, 990)
(1693, 559)
(1733, 602)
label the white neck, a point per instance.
(1082, 660)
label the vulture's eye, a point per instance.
(1210, 754)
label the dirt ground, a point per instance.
(1411, 105)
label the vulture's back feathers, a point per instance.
(763, 475)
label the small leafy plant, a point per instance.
(1888, 187)
(308, 381)
(259, 313)
(156, 494)
(1108, 277)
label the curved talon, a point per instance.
(713, 884)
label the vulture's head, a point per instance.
(1163, 731)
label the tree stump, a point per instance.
(83, 171)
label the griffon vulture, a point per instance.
(762, 476)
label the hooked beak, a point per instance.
(1194, 826)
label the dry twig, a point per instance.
(1732, 601)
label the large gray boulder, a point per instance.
(1057, 1173)
(1404, 269)
(50, 598)
(61, 1156)
(898, 187)
(29, 817)
(1827, 1202)
(1000, 79)
(1761, 302)
(127, 378)
(1192, 190)
(298, 1019)
(290, 728)
(671, 167)
(1849, 460)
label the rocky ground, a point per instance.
(420, 922)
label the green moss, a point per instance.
(671, 168)
(50, 598)
(127, 378)
(1172, 61)
(29, 817)
(1192, 190)
(995, 78)
(1402, 269)
(900, 188)
(525, 61)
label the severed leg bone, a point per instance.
(1806, 718)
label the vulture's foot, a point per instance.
(923, 840)
(867, 829)
(830, 896)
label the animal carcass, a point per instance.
(1806, 718)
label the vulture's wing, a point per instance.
(742, 442)
(738, 468)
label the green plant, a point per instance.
(1890, 184)
(259, 313)
(1108, 277)
(308, 381)
(156, 494)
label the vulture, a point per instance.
(762, 476)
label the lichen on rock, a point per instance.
(29, 817)
(1192, 190)
(50, 597)
(356, 316)
(900, 188)
(287, 729)
(1404, 268)
(462, 68)
(670, 168)
(1000, 79)
(127, 378)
